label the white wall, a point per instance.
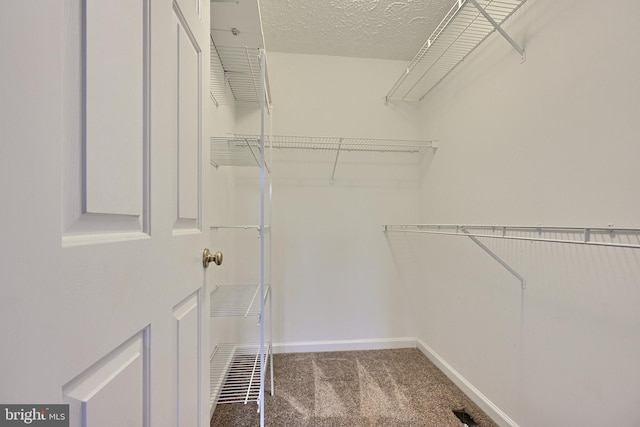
(332, 266)
(332, 272)
(552, 141)
(316, 95)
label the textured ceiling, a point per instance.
(360, 28)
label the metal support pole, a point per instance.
(263, 364)
(269, 261)
(494, 256)
(498, 28)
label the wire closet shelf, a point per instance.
(467, 24)
(237, 150)
(236, 374)
(235, 76)
(244, 150)
(237, 300)
(241, 227)
(610, 236)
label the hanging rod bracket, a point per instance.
(494, 256)
(499, 29)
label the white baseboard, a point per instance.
(467, 388)
(344, 345)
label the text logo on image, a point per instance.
(34, 415)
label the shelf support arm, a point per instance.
(494, 256)
(257, 159)
(255, 87)
(499, 28)
(335, 162)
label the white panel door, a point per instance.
(102, 177)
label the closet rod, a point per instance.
(577, 235)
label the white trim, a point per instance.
(467, 388)
(99, 238)
(344, 345)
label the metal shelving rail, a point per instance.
(610, 236)
(244, 150)
(238, 371)
(236, 75)
(467, 24)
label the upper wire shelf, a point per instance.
(467, 24)
(594, 236)
(235, 76)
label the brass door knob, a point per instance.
(208, 257)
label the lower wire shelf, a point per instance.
(235, 373)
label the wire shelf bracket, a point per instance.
(428, 228)
(496, 257)
(610, 236)
(499, 29)
(467, 24)
(335, 162)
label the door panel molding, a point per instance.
(94, 326)
(106, 112)
(187, 315)
(191, 10)
(189, 124)
(104, 390)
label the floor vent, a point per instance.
(465, 418)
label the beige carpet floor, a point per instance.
(399, 387)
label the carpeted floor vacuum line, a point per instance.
(399, 387)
